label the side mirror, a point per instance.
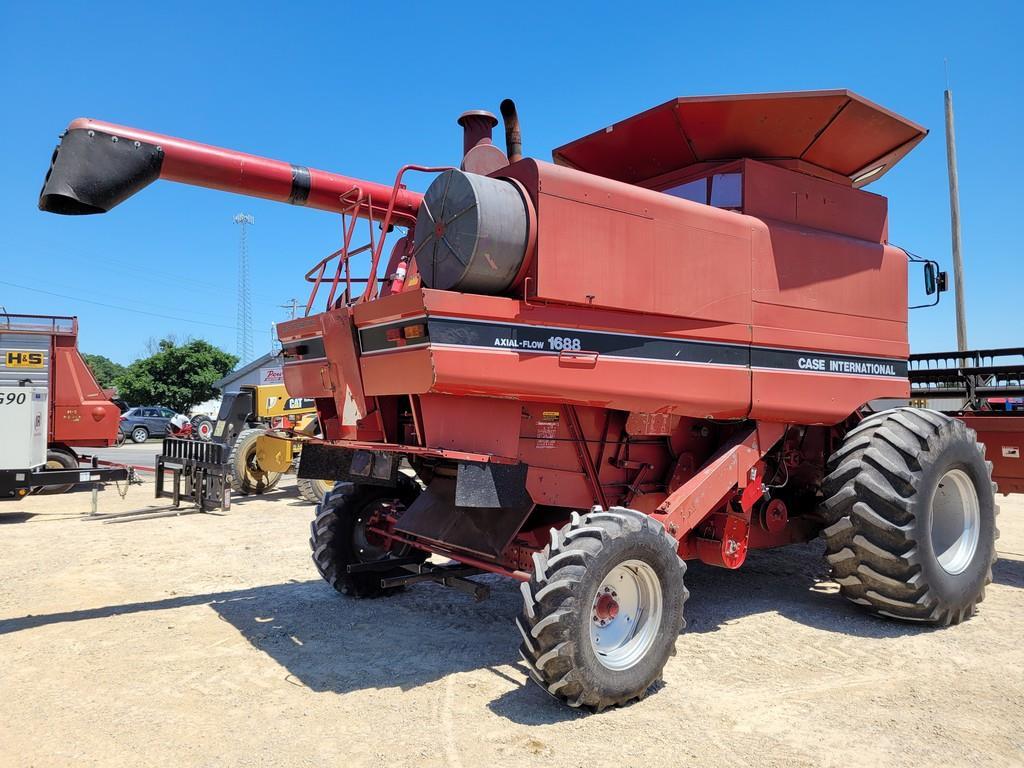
(934, 281)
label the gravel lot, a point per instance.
(210, 640)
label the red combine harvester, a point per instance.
(42, 351)
(662, 347)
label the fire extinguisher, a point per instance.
(398, 279)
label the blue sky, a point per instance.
(361, 88)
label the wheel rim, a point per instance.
(255, 475)
(205, 430)
(956, 521)
(139, 435)
(368, 546)
(625, 615)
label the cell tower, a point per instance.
(243, 323)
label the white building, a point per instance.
(263, 370)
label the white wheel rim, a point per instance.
(625, 615)
(139, 435)
(956, 521)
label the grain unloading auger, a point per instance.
(674, 343)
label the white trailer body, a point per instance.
(23, 425)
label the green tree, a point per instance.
(104, 369)
(177, 376)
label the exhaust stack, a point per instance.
(513, 136)
(98, 165)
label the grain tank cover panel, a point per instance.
(838, 131)
(471, 233)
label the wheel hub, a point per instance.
(606, 607)
(626, 615)
(956, 521)
(369, 544)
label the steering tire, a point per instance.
(603, 609)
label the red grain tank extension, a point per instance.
(669, 344)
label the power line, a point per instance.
(142, 270)
(115, 306)
(147, 303)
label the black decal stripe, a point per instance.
(826, 362)
(375, 338)
(525, 338)
(303, 349)
(534, 339)
(300, 185)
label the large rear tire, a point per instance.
(910, 503)
(338, 536)
(603, 609)
(246, 474)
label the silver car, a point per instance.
(142, 422)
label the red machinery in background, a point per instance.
(984, 388)
(42, 351)
(663, 346)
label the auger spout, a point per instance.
(98, 165)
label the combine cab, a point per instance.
(662, 347)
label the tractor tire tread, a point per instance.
(869, 492)
(330, 521)
(307, 489)
(551, 603)
(239, 482)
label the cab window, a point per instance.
(722, 190)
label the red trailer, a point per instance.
(42, 351)
(664, 346)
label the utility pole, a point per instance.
(292, 306)
(243, 322)
(954, 221)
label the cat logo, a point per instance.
(25, 360)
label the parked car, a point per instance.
(142, 422)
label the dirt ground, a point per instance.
(210, 640)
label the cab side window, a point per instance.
(722, 190)
(727, 191)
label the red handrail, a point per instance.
(356, 204)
